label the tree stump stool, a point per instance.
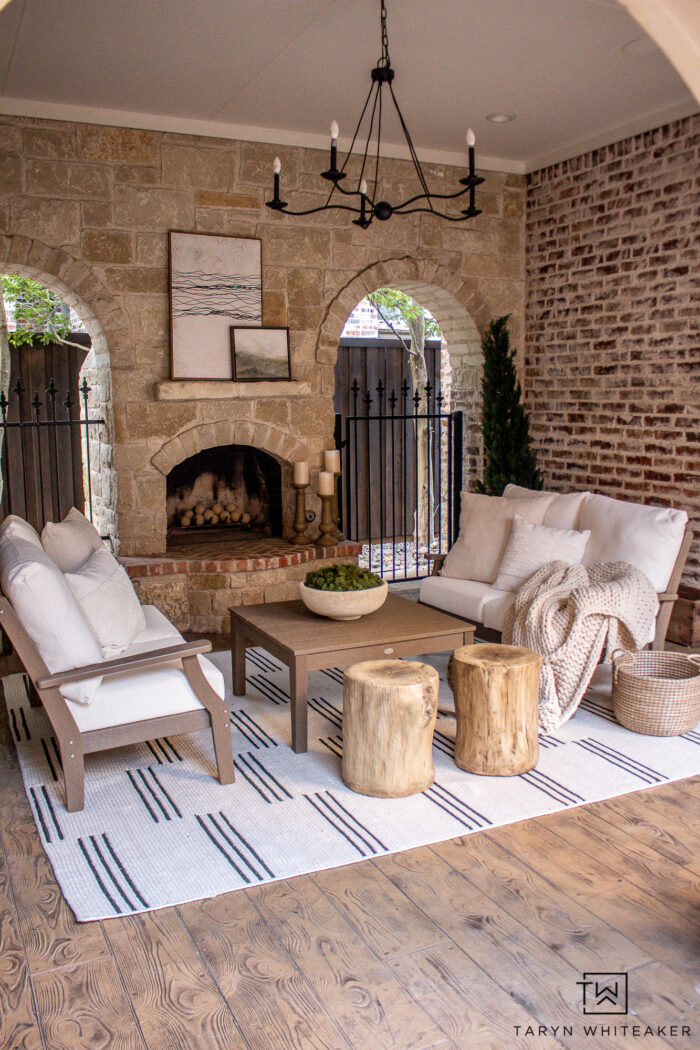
(496, 689)
(389, 712)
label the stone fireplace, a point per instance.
(225, 502)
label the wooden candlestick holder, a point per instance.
(300, 522)
(325, 537)
(337, 534)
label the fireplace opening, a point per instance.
(231, 489)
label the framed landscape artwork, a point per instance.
(215, 281)
(260, 354)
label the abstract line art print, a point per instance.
(215, 282)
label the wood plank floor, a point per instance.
(449, 946)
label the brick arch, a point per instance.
(459, 309)
(278, 443)
(81, 288)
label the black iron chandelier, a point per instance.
(361, 201)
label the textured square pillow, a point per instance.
(50, 615)
(71, 542)
(484, 528)
(532, 546)
(108, 600)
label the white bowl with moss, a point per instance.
(343, 592)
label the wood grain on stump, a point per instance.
(389, 712)
(496, 689)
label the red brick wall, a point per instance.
(612, 362)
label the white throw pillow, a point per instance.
(532, 546)
(563, 511)
(18, 527)
(484, 528)
(71, 542)
(646, 537)
(49, 613)
(107, 597)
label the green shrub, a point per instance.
(342, 578)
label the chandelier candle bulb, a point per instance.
(331, 461)
(334, 131)
(276, 169)
(471, 143)
(301, 473)
(363, 187)
(326, 483)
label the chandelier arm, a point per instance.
(411, 147)
(357, 128)
(369, 136)
(433, 196)
(321, 207)
(379, 140)
(438, 214)
(353, 193)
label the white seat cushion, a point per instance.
(647, 537)
(496, 607)
(464, 598)
(134, 696)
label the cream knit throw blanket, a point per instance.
(566, 613)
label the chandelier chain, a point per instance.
(384, 60)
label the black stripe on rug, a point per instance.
(98, 879)
(322, 707)
(262, 660)
(257, 728)
(333, 744)
(322, 811)
(622, 761)
(224, 852)
(550, 786)
(49, 760)
(123, 871)
(268, 689)
(352, 817)
(246, 844)
(149, 809)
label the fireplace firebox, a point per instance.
(235, 488)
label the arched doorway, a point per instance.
(56, 409)
(394, 543)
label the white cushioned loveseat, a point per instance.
(503, 540)
(107, 670)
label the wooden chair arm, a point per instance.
(438, 561)
(666, 596)
(139, 661)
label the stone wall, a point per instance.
(612, 374)
(88, 207)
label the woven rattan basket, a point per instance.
(656, 693)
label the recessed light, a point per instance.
(500, 118)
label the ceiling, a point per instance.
(575, 73)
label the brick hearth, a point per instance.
(201, 577)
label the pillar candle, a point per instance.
(332, 460)
(326, 483)
(301, 473)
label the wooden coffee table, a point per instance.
(307, 642)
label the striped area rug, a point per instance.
(158, 830)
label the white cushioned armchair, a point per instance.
(157, 685)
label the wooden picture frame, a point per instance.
(215, 279)
(260, 355)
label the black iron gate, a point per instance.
(401, 477)
(45, 452)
